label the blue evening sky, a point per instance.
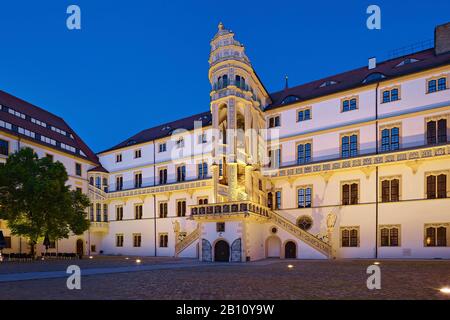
(136, 64)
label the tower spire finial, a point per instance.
(286, 79)
(220, 26)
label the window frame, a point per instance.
(8, 147)
(436, 226)
(389, 127)
(349, 229)
(137, 153)
(303, 109)
(390, 227)
(436, 191)
(436, 79)
(138, 215)
(120, 235)
(390, 179)
(181, 215)
(304, 187)
(349, 134)
(349, 98)
(163, 238)
(350, 183)
(390, 89)
(166, 213)
(135, 237)
(304, 143)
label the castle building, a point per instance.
(356, 165)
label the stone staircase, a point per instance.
(303, 235)
(187, 241)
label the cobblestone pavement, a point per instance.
(267, 279)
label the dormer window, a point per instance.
(374, 77)
(328, 83)
(406, 61)
(290, 99)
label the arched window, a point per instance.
(91, 181)
(225, 80)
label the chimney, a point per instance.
(372, 63)
(442, 39)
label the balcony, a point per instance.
(96, 193)
(100, 227)
(230, 211)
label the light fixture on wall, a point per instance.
(445, 290)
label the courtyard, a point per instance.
(170, 278)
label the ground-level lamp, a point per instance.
(46, 243)
(2, 245)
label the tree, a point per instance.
(36, 201)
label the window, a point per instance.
(119, 240)
(390, 95)
(181, 173)
(202, 138)
(4, 147)
(119, 157)
(119, 213)
(181, 208)
(390, 190)
(389, 236)
(349, 104)
(162, 176)
(105, 212)
(78, 169)
(436, 235)
(442, 83)
(290, 99)
(137, 153)
(93, 248)
(119, 183)
(350, 236)
(304, 115)
(349, 145)
(304, 197)
(275, 158)
(202, 170)
(162, 147)
(240, 82)
(163, 210)
(350, 193)
(91, 212)
(220, 168)
(437, 131)
(390, 139)
(180, 143)
(203, 201)
(303, 153)
(278, 200)
(163, 240)
(98, 210)
(304, 222)
(436, 186)
(274, 121)
(137, 238)
(220, 226)
(138, 211)
(7, 242)
(138, 180)
(436, 84)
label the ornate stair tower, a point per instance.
(237, 98)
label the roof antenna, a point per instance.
(286, 78)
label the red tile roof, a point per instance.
(31, 111)
(98, 169)
(354, 78)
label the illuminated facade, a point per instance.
(356, 165)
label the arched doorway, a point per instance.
(221, 251)
(80, 249)
(273, 247)
(290, 250)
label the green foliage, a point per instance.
(36, 201)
